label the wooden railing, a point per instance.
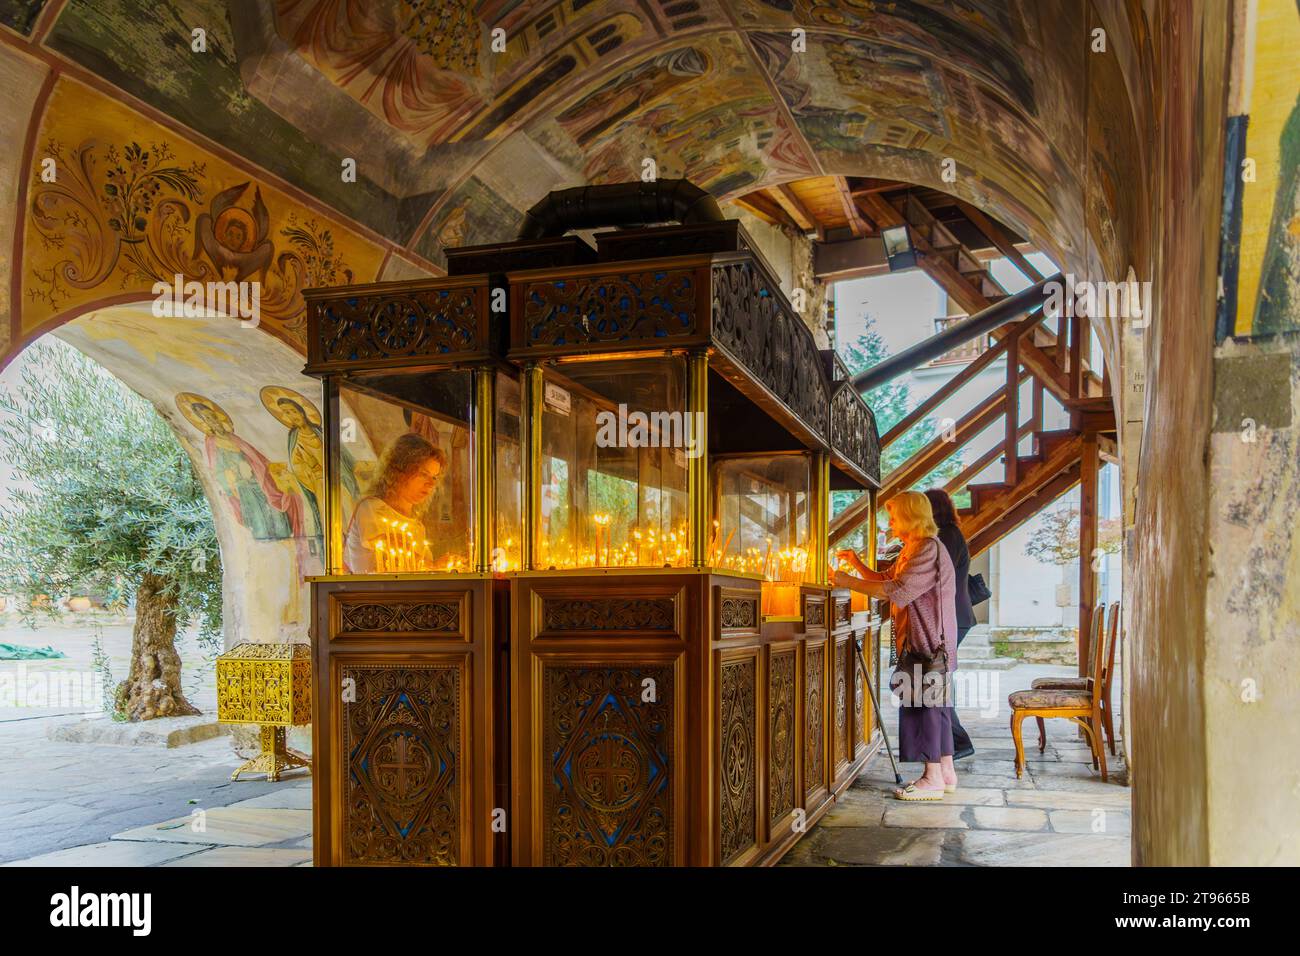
(1032, 353)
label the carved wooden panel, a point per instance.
(781, 736)
(368, 616)
(853, 431)
(609, 766)
(753, 322)
(739, 612)
(840, 703)
(843, 613)
(609, 614)
(401, 773)
(739, 774)
(814, 612)
(814, 709)
(654, 305)
(859, 696)
(402, 323)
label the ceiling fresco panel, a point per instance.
(134, 204)
(474, 214)
(701, 110)
(984, 38)
(21, 15)
(143, 47)
(427, 69)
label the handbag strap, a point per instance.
(938, 597)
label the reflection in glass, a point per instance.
(509, 464)
(615, 444)
(760, 509)
(413, 459)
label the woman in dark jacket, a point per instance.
(945, 516)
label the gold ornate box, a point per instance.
(270, 685)
(265, 684)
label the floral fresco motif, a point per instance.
(126, 210)
(129, 209)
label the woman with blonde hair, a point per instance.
(407, 477)
(921, 590)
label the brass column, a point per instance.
(484, 467)
(819, 516)
(872, 535)
(332, 510)
(697, 468)
(530, 439)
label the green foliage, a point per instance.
(890, 402)
(1055, 539)
(104, 495)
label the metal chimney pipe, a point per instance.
(619, 204)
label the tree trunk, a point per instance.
(153, 688)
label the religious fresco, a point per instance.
(1268, 254)
(143, 46)
(257, 497)
(857, 99)
(422, 67)
(725, 137)
(454, 141)
(473, 215)
(133, 206)
(306, 450)
(984, 38)
(21, 15)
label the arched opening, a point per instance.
(242, 421)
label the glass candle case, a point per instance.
(614, 445)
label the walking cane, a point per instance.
(880, 721)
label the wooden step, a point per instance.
(1056, 452)
(994, 531)
(1096, 413)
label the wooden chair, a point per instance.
(1081, 683)
(1081, 706)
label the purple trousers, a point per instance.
(924, 733)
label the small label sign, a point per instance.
(556, 398)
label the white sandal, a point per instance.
(914, 794)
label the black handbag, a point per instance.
(977, 590)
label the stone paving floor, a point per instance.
(57, 796)
(104, 805)
(1058, 814)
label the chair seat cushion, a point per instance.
(1037, 699)
(1060, 683)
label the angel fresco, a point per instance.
(243, 473)
(306, 449)
(234, 238)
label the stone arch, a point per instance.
(266, 528)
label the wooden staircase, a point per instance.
(1056, 365)
(997, 508)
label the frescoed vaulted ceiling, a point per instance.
(453, 138)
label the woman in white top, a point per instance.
(409, 473)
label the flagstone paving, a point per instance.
(1058, 813)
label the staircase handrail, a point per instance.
(998, 314)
